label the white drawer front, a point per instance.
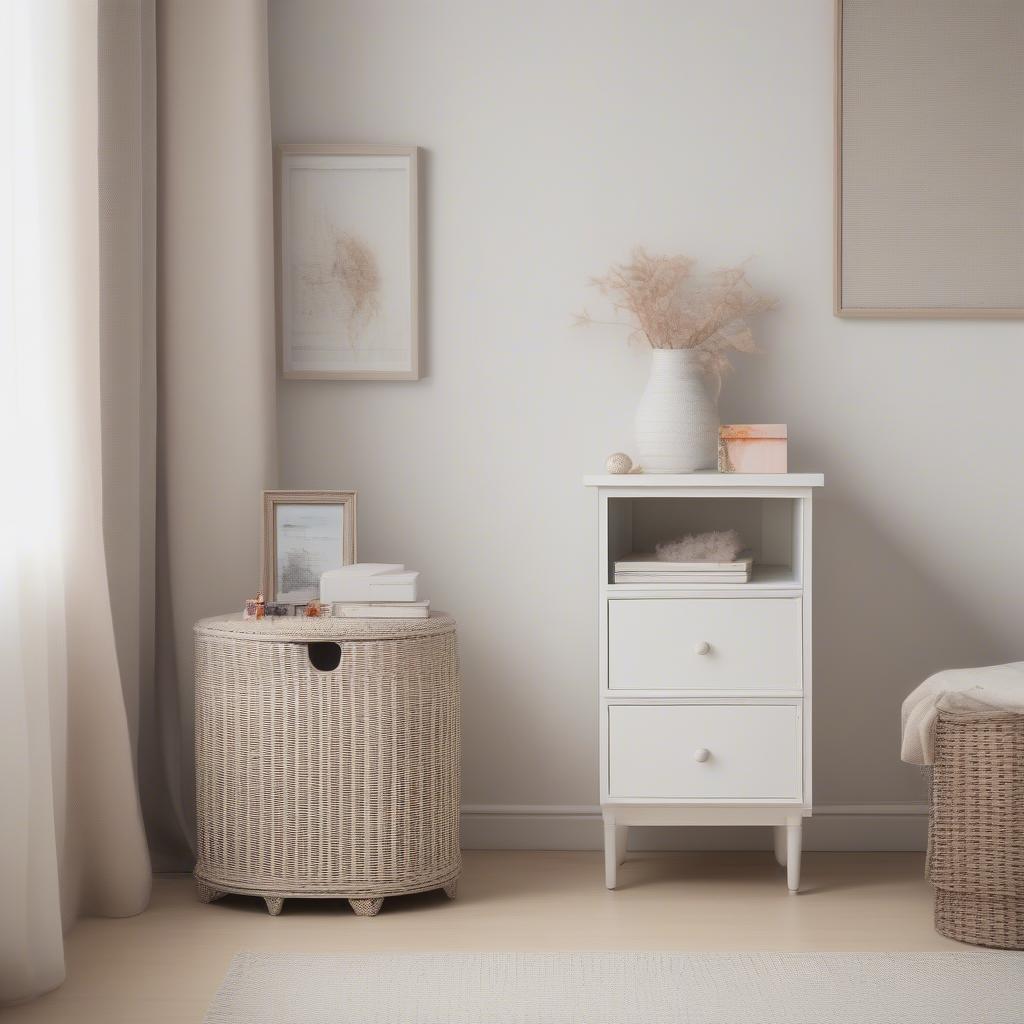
(697, 644)
(726, 752)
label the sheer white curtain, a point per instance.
(118, 526)
(71, 835)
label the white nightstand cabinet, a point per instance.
(706, 688)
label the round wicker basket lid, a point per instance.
(302, 630)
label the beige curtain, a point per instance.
(138, 409)
(216, 358)
(126, 44)
(189, 366)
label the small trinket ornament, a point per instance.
(255, 607)
(312, 610)
(618, 463)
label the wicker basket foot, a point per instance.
(366, 908)
(451, 890)
(275, 904)
(207, 893)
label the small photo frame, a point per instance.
(348, 262)
(305, 533)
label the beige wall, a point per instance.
(556, 136)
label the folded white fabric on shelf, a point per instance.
(960, 690)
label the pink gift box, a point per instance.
(752, 448)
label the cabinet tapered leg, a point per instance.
(275, 904)
(621, 841)
(794, 830)
(780, 844)
(610, 855)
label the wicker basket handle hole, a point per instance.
(324, 656)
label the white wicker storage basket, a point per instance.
(338, 781)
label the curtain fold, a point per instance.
(216, 366)
(126, 146)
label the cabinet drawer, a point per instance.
(752, 753)
(696, 644)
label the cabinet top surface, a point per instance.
(710, 479)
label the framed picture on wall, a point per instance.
(305, 533)
(347, 262)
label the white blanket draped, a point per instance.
(993, 688)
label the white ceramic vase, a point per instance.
(677, 418)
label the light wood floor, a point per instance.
(166, 964)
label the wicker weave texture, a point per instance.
(976, 841)
(342, 783)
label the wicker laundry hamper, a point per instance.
(976, 836)
(334, 781)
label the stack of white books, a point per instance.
(373, 591)
(380, 609)
(649, 569)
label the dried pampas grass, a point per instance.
(716, 546)
(671, 309)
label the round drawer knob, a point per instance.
(701, 754)
(702, 648)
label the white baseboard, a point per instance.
(834, 827)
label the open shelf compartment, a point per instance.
(770, 528)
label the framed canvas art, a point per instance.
(305, 533)
(347, 266)
(929, 164)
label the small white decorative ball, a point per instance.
(618, 463)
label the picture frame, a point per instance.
(305, 533)
(925, 226)
(347, 263)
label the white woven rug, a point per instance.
(624, 988)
